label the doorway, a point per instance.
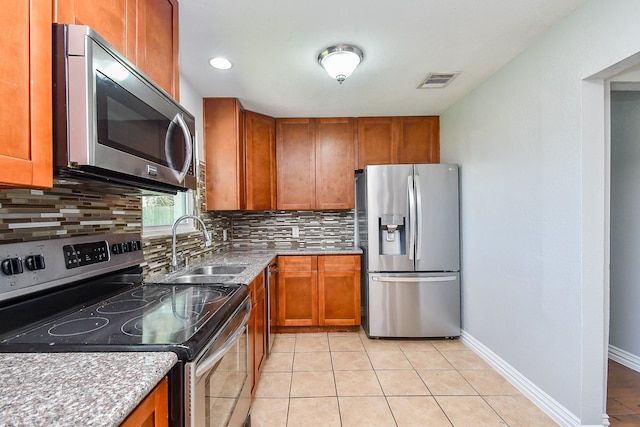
(623, 387)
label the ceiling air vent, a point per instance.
(437, 80)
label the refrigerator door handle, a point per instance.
(418, 220)
(412, 217)
(414, 279)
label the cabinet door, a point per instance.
(25, 109)
(295, 164)
(375, 141)
(258, 339)
(339, 290)
(418, 140)
(224, 153)
(114, 20)
(297, 298)
(153, 410)
(260, 154)
(334, 163)
(157, 43)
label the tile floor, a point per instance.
(346, 379)
(623, 396)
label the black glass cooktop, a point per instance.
(147, 317)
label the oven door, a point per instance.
(218, 380)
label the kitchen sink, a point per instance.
(219, 269)
(203, 278)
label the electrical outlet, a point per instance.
(224, 235)
(295, 231)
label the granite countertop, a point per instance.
(76, 389)
(255, 261)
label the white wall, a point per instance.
(192, 101)
(625, 221)
(518, 140)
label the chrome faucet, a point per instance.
(205, 235)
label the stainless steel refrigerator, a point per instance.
(407, 219)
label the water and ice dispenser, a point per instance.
(392, 231)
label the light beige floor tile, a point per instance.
(401, 383)
(284, 343)
(345, 343)
(469, 411)
(350, 361)
(379, 345)
(344, 334)
(313, 384)
(278, 362)
(446, 383)
(274, 384)
(311, 334)
(427, 360)
(489, 383)
(466, 360)
(449, 344)
(315, 361)
(269, 412)
(357, 383)
(314, 412)
(312, 343)
(518, 411)
(415, 411)
(365, 412)
(416, 345)
(389, 360)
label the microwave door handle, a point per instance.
(178, 120)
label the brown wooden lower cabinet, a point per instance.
(257, 329)
(319, 290)
(153, 411)
(339, 290)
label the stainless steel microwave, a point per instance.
(112, 122)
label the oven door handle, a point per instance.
(211, 361)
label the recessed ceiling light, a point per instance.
(220, 63)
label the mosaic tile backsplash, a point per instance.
(83, 208)
(275, 229)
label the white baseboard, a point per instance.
(546, 403)
(624, 358)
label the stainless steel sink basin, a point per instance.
(203, 278)
(219, 269)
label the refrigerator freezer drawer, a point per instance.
(413, 305)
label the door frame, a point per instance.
(595, 192)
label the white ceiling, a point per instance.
(274, 45)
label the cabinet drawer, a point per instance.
(339, 263)
(298, 263)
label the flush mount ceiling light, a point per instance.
(340, 60)
(220, 63)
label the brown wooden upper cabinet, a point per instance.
(224, 153)
(25, 112)
(389, 140)
(145, 31)
(260, 152)
(315, 163)
(239, 156)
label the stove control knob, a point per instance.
(127, 246)
(117, 248)
(11, 266)
(136, 245)
(35, 262)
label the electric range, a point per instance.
(85, 294)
